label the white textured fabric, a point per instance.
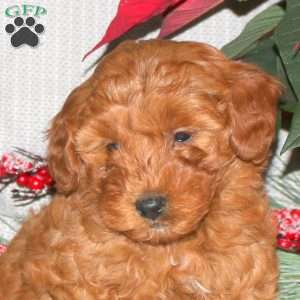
(34, 82)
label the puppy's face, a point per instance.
(158, 159)
(154, 135)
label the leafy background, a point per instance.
(271, 40)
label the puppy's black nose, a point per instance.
(151, 207)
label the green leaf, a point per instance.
(289, 93)
(259, 26)
(248, 49)
(278, 121)
(293, 139)
(286, 36)
(289, 106)
(264, 55)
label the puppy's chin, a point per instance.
(161, 233)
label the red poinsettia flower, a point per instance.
(177, 13)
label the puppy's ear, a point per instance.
(64, 163)
(252, 110)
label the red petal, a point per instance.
(185, 13)
(129, 14)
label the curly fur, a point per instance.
(216, 239)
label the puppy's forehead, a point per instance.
(156, 114)
(160, 82)
(162, 67)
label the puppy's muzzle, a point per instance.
(151, 206)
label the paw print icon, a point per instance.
(24, 32)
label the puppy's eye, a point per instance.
(112, 147)
(182, 136)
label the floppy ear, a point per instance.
(252, 111)
(64, 163)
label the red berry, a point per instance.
(43, 172)
(297, 236)
(35, 183)
(29, 165)
(278, 214)
(2, 171)
(43, 175)
(295, 213)
(48, 180)
(290, 236)
(22, 179)
(283, 243)
(286, 223)
(4, 157)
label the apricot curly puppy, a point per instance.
(158, 160)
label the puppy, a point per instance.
(158, 160)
